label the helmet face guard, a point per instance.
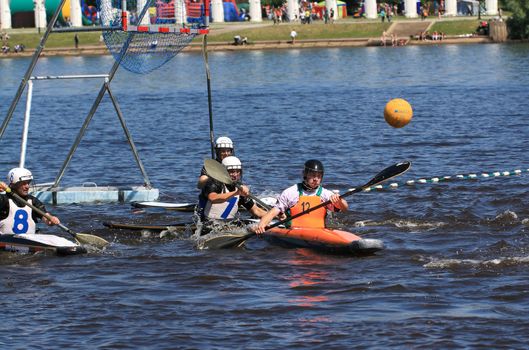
(232, 163)
(223, 143)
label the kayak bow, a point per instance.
(33, 243)
(323, 239)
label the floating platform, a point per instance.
(91, 193)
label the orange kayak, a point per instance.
(323, 239)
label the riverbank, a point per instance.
(261, 45)
(264, 36)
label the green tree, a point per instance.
(518, 23)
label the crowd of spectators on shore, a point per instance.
(387, 11)
(307, 13)
(5, 44)
(425, 35)
(395, 40)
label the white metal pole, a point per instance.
(40, 14)
(180, 12)
(5, 15)
(371, 9)
(107, 12)
(76, 16)
(410, 8)
(492, 7)
(292, 10)
(451, 7)
(25, 130)
(331, 4)
(256, 14)
(146, 19)
(217, 11)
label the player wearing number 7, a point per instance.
(219, 203)
(16, 217)
(303, 196)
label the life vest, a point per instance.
(224, 211)
(315, 218)
(19, 220)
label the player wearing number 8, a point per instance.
(17, 217)
(303, 196)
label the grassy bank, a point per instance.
(255, 33)
(456, 27)
(312, 31)
(55, 40)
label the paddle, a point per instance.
(384, 175)
(219, 172)
(81, 238)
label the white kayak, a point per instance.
(33, 243)
(165, 205)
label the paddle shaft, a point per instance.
(208, 84)
(40, 212)
(257, 200)
(348, 193)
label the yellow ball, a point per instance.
(398, 112)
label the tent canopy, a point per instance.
(338, 2)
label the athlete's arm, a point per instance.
(202, 181)
(265, 220)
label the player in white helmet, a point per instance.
(16, 217)
(223, 148)
(220, 202)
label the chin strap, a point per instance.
(307, 187)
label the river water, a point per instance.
(455, 269)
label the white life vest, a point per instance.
(19, 220)
(225, 210)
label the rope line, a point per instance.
(470, 176)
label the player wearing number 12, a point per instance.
(16, 217)
(303, 196)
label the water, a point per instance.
(454, 273)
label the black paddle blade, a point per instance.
(228, 240)
(217, 171)
(388, 173)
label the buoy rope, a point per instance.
(470, 176)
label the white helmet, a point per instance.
(231, 163)
(224, 142)
(19, 174)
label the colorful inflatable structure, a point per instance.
(231, 12)
(22, 12)
(165, 11)
(89, 11)
(341, 5)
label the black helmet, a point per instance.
(313, 165)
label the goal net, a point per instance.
(143, 35)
